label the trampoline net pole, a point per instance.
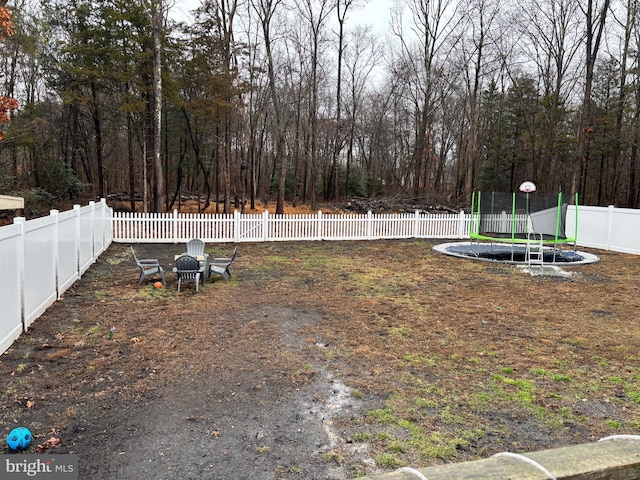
(513, 217)
(575, 234)
(558, 216)
(472, 227)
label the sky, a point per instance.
(375, 12)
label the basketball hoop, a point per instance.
(527, 187)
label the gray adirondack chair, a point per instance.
(148, 267)
(195, 248)
(188, 270)
(220, 266)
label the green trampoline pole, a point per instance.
(513, 216)
(473, 215)
(558, 215)
(575, 234)
(478, 213)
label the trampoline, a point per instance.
(522, 228)
(513, 253)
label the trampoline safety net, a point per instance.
(514, 216)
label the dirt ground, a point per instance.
(324, 360)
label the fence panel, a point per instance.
(390, 226)
(296, 227)
(10, 284)
(101, 229)
(592, 225)
(443, 226)
(252, 228)
(68, 242)
(39, 267)
(155, 227)
(626, 225)
(339, 227)
(86, 257)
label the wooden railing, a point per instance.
(612, 458)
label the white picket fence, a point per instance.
(234, 228)
(41, 258)
(607, 228)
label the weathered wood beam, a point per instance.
(614, 458)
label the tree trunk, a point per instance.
(132, 170)
(160, 197)
(97, 130)
(266, 10)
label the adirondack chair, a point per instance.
(220, 265)
(188, 270)
(148, 267)
(195, 248)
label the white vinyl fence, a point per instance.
(41, 258)
(606, 228)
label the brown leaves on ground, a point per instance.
(51, 442)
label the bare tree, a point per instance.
(342, 10)
(481, 15)
(226, 13)
(628, 24)
(360, 61)
(257, 101)
(266, 11)
(316, 13)
(434, 23)
(633, 185)
(595, 15)
(550, 40)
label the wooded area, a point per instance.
(257, 100)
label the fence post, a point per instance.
(100, 226)
(369, 225)
(174, 226)
(320, 226)
(103, 222)
(56, 248)
(92, 205)
(20, 256)
(76, 221)
(416, 220)
(461, 225)
(265, 226)
(236, 226)
(610, 215)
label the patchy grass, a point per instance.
(445, 359)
